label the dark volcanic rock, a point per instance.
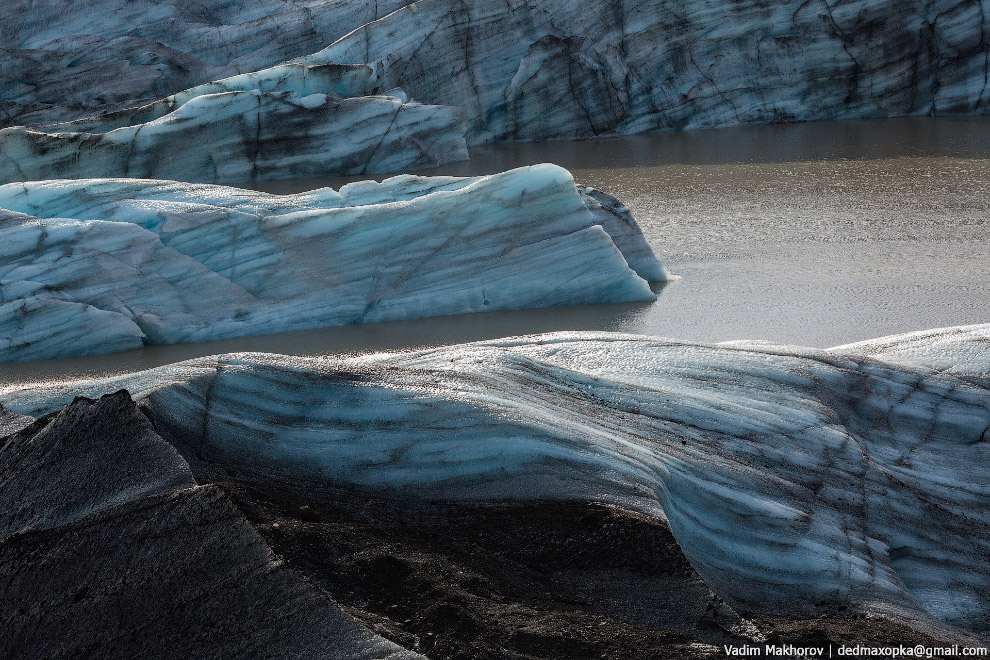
(90, 457)
(110, 550)
(524, 581)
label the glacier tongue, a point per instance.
(104, 263)
(794, 480)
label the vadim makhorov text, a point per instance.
(856, 651)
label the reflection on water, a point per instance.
(863, 139)
(352, 339)
(813, 234)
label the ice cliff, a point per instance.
(515, 70)
(96, 266)
(794, 480)
(571, 69)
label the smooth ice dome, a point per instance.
(794, 480)
(96, 266)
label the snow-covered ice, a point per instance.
(96, 266)
(793, 479)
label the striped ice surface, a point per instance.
(97, 266)
(795, 480)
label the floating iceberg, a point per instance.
(95, 266)
(291, 121)
(794, 480)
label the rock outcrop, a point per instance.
(108, 547)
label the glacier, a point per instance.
(291, 121)
(565, 69)
(517, 71)
(64, 61)
(795, 480)
(103, 265)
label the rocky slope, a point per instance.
(109, 548)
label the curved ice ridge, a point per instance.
(290, 121)
(102, 265)
(793, 479)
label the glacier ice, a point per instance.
(68, 60)
(100, 265)
(793, 479)
(534, 70)
(290, 121)
(555, 69)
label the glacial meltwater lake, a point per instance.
(813, 234)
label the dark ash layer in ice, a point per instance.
(117, 542)
(796, 482)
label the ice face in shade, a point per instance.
(558, 69)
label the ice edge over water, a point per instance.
(103, 265)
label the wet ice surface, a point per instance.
(809, 234)
(794, 480)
